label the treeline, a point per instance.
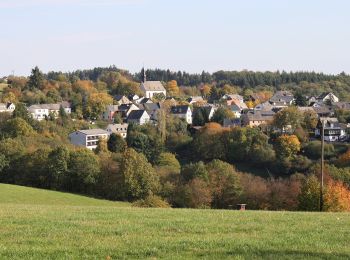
(243, 79)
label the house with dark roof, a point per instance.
(327, 97)
(257, 118)
(235, 122)
(333, 130)
(282, 99)
(183, 111)
(152, 109)
(138, 117)
(121, 99)
(7, 107)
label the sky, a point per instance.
(187, 35)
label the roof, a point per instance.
(266, 106)
(120, 128)
(149, 106)
(136, 114)
(324, 94)
(96, 131)
(231, 122)
(152, 86)
(179, 109)
(5, 106)
(341, 105)
(260, 115)
(56, 106)
(282, 96)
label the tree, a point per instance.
(309, 197)
(36, 79)
(206, 90)
(21, 112)
(224, 184)
(172, 88)
(310, 120)
(101, 146)
(97, 104)
(116, 143)
(300, 99)
(289, 116)
(221, 113)
(9, 97)
(287, 146)
(140, 178)
(194, 170)
(337, 197)
(169, 161)
(58, 167)
(84, 169)
(18, 127)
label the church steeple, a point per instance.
(144, 74)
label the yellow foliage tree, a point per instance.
(250, 104)
(98, 102)
(337, 197)
(172, 88)
(206, 90)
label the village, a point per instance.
(140, 110)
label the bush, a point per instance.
(151, 201)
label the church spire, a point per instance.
(144, 74)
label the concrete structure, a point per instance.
(88, 138)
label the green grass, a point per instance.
(24, 195)
(58, 231)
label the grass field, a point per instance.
(55, 227)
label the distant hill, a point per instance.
(24, 195)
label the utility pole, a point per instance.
(322, 164)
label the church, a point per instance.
(150, 88)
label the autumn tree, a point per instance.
(289, 116)
(172, 88)
(224, 184)
(287, 146)
(140, 178)
(309, 197)
(97, 103)
(337, 197)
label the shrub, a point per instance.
(151, 201)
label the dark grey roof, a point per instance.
(150, 106)
(282, 96)
(136, 114)
(260, 115)
(179, 109)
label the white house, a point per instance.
(7, 107)
(327, 96)
(88, 138)
(150, 88)
(38, 112)
(41, 111)
(139, 117)
(120, 129)
(184, 112)
(333, 130)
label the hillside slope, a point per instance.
(26, 195)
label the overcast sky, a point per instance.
(190, 35)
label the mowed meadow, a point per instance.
(40, 224)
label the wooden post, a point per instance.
(322, 165)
